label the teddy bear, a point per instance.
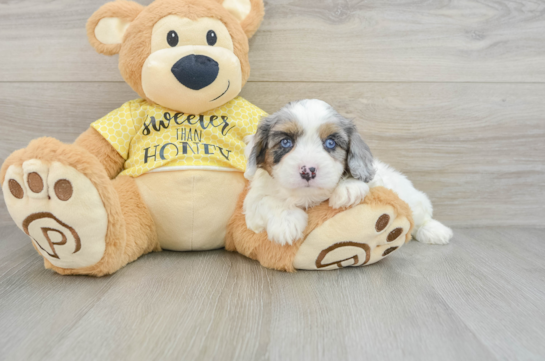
(165, 171)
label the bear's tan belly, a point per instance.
(191, 208)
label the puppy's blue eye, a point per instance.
(286, 143)
(330, 144)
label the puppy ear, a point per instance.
(251, 157)
(257, 144)
(360, 159)
(107, 26)
(255, 151)
(250, 13)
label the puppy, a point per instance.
(307, 153)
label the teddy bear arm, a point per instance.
(97, 145)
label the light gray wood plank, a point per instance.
(306, 40)
(470, 300)
(515, 245)
(37, 307)
(477, 150)
(178, 306)
(381, 313)
(5, 219)
(215, 305)
(496, 293)
(11, 240)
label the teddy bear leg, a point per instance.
(357, 236)
(334, 238)
(79, 220)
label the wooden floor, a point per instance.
(480, 298)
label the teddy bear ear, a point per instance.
(249, 12)
(107, 26)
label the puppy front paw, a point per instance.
(288, 227)
(349, 192)
(254, 222)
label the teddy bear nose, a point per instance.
(196, 71)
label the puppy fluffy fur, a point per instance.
(301, 156)
(307, 153)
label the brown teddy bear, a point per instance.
(166, 171)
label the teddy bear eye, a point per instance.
(211, 38)
(172, 38)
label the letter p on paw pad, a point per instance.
(60, 210)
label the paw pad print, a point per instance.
(60, 210)
(345, 241)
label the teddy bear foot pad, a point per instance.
(60, 209)
(356, 237)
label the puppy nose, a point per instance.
(308, 173)
(196, 71)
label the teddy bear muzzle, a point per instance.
(196, 71)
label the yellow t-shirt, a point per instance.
(154, 138)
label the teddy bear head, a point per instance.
(187, 55)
